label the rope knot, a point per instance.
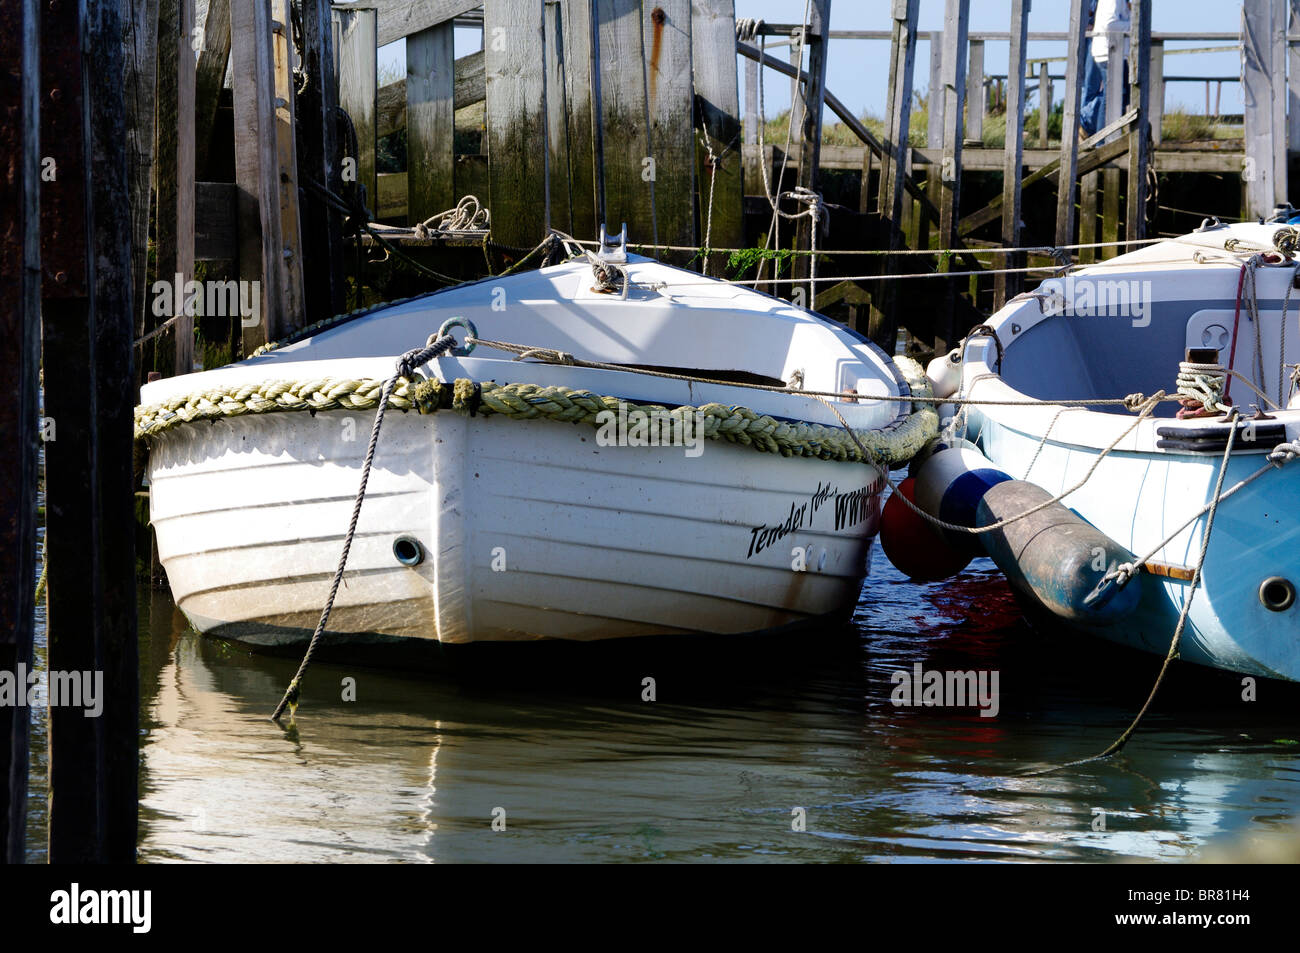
(1284, 453)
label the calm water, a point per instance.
(741, 733)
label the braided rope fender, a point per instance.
(890, 446)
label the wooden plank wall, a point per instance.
(430, 122)
(515, 117)
(666, 28)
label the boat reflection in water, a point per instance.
(740, 735)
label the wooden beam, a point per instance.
(516, 120)
(810, 139)
(1070, 122)
(431, 122)
(975, 104)
(140, 85)
(468, 88)
(1115, 89)
(87, 334)
(628, 196)
(289, 251)
(578, 73)
(559, 206)
(670, 105)
(1140, 98)
(402, 18)
(357, 68)
(935, 98)
(1008, 286)
(894, 167)
(713, 28)
(324, 284)
(955, 25)
(1257, 97)
(1156, 75)
(20, 355)
(1089, 160)
(174, 225)
(1278, 98)
(1044, 106)
(1293, 78)
(214, 57)
(256, 165)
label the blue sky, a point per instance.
(858, 69)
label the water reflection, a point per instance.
(741, 733)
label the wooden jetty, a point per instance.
(253, 140)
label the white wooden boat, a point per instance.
(1126, 326)
(485, 527)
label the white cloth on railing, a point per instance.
(1112, 16)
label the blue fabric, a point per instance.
(1092, 108)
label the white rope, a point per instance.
(468, 215)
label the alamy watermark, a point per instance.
(634, 426)
(932, 688)
(213, 299)
(1096, 297)
(29, 688)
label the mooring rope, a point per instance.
(1186, 609)
(406, 366)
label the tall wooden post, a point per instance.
(174, 227)
(670, 108)
(1257, 92)
(975, 102)
(1114, 109)
(894, 164)
(515, 115)
(318, 162)
(713, 65)
(559, 199)
(140, 44)
(430, 122)
(1155, 110)
(210, 74)
(1140, 135)
(956, 26)
(20, 348)
(1075, 53)
(625, 146)
(578, 75)
(1006, 286)
(1044, 105)
(90, 395)
(810, 144)
(356, 53)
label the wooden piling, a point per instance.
(717, 103)
(559, 202)
(1257, 98)
(1044, 105)
(516, 120)
(666, 28)
(1115, 89)
(626, 149)
(578, 75)
(975, 102)
(810, 144)
(1075, 52)
(1155, 112)
(955, 28)
(19, 370)
(140, 43)
(430, 122)
(210, 74)
(894, 164)
(175, 152)
(355, 49)
(90, 520)
(257, 164)
(324, 287)
(1007, 286)
(1140, 133)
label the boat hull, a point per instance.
(1138, 499)
(529, 530)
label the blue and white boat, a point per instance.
(1221, 307)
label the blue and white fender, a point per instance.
(1054, 556)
